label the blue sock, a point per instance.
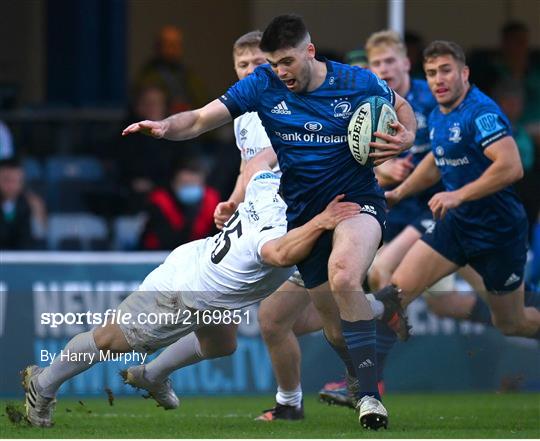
(360, 337)
(386, 338)
(480, 313)
(343, 353)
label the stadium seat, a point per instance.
(83, 168)
(77, 231)
(127, 230)
(33, 171)
(69, 179)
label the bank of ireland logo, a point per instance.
(432, 134)
(455, 133)
(342, 108)
(313, 126)
(439, 151)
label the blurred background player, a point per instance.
(480, 221)
(182, 211)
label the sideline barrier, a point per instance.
(442, 355)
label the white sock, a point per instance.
(181, 353)
(61, 370)
(376, 305)
(289, 397)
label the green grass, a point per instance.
(411, 416)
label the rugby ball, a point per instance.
(372, 115)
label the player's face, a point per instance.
(390, 65)
(447, 79)
(292, 66)
(246, 60)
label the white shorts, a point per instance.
(296, 278)
(157, 312)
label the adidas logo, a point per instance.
(368, 209)
(281, 109)
(366, 364)
(512, 279)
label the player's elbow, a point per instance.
(274, 255)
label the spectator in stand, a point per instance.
(182, 212)
(143, 163)
(23, 216)
(167, 70)
(6, 142)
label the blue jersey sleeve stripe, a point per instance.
(494, 138)
(232, 105)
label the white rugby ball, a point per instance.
(374, 114)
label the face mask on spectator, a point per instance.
(189, 194)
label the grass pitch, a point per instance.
(411, 416)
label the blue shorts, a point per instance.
(314, 269)
(421, 221)
(501, 267)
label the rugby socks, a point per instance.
(181, 353)
(360, 337)
(62, 368)
(386, 339)
(480, 312)
(289, 398)
(343, 353)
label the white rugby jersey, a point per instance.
(251, 137)
(226, 270)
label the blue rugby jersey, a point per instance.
(458, 140)
(308, 131)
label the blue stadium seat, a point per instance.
(33, 170)
(68, 168)
(77, 231)
(127, 230)
(69, 179)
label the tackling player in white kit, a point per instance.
(240, 266)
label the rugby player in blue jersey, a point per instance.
(305, 105)
(480, 220)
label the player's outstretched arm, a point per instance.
(184, 125)
(506, 168)
(424, 176)
(403, 138)
(295, 246)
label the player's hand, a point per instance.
(337, 211)
(440, 203)
(392, 197)
(222, 213)
(156, 129)
(396, 144)
(397, 169)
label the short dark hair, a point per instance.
(250, 40)
(441, 47)
(283, 32)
